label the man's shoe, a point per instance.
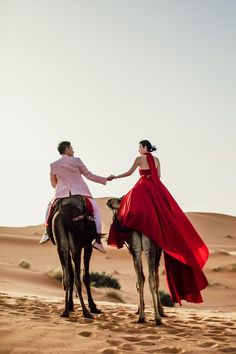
(44, 238)
(99, 247)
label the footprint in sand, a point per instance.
(219, 338)
(228, 350)
(114, 342)
(72, 319)
(215, 319)
(150, 337)
(130, 315)
(133, 339)
(149, 330)
(207, 344)
(174, 331)
(110, 327)
(85, 334)
(129, 331)
(25, 350)
(110, 351)
(229, 335)
(35, 318)
(127, 346)
(167, 349)
(229, 323)
(86, 320)
(146, 343)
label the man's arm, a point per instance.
(53, 180)
(89, 175)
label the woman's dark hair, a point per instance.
(149, 146)
(62, 147)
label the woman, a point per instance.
(149, 208)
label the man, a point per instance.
(66, 177)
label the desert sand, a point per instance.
(31, 300)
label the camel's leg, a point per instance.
(157, 264)
(76, 256)
(71, 272)
(86, 278)
(63, 252)
(150, 252)
(135, 247)
(63, 255)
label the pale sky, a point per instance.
(105, 74)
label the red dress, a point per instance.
(149, 208)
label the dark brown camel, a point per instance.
(73, 230)
(137, 243)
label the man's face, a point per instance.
(69, 151)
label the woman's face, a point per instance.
(142, 149)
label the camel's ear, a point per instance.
(120, 199)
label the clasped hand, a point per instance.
(110, 178)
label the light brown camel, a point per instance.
(137, 243)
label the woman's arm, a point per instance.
(131, 170)
(158, 167)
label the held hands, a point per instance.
(110, 178)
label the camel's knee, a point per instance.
(75, 254)
(136, 251)
(86, 279)
(63, 256)
(140, 283)
(157, 281)
(66, 281)
(139, 269)
(78, 285)
(152, 282)
(136, 243)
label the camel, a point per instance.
(73, 230)
(137, 243)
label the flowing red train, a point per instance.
(149, 208)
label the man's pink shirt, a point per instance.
(68, 171)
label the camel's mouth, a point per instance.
(114, 203)
(110, 204)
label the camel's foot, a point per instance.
(65, 313)
(158, 322)
(71, 307)
(141, 320)
(94, 309)
(162, 312)
(138, 311)
(87, 314)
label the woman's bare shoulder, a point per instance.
(138, 158)
(157, 161)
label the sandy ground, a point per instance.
(31, 301)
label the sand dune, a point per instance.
(31, 301)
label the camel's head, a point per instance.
(114, 203)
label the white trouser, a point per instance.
(96, 214)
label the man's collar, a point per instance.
(64, 156)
